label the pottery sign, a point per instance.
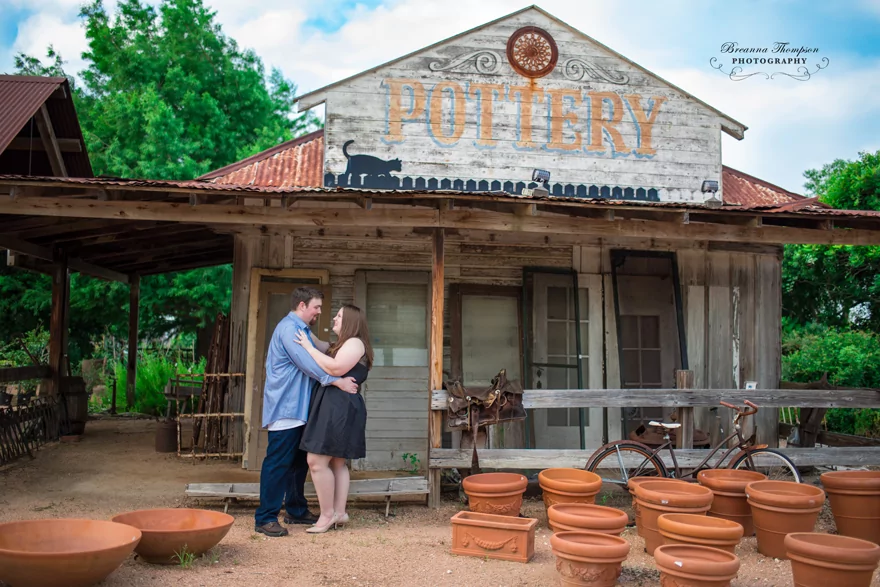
(482, 111)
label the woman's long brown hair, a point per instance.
(354, 325)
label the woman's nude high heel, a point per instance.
(343, 520)
(321, 529)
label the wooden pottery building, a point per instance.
(518, 196)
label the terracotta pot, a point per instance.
(569, 486)
(855, 502)
(729, 487)
(489, 535)
(565, 517)
(167, 532)
(589, 558)
(780, 508)
(63, 552)
(495, 493)
(701, 530)
(819, 560)
(695, 566)
(656, 498)
(632, 483)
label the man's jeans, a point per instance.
(284, 473)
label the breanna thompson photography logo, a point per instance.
(779, 59)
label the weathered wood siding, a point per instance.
(732, 304)
(458, 111)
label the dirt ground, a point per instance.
(115, 469)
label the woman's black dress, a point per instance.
(337, 420)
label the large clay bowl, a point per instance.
(701, 530)
(562, 485)
(567, 517)
(495, 493)
(855, 502)
(62, 552)
(820, 560)
(167, 532)
(688, 564)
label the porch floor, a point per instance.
(115, 469)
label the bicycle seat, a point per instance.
(665, 425)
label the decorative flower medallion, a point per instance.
(532, 52)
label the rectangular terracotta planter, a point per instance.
(488, 535)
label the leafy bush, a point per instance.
(154, 369)
(851, 358)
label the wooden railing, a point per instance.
(23, 429)
(679, 398)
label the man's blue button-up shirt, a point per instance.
(290, 374)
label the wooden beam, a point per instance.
(633, 398)
(520, 459)
(435, 420)
(75, 264)
(526, 210)
(25, 144)
(60, 306)
(134, 295)
(28, 263)
(685, 437)
(47, 133)
(11, 374)
(458, 218)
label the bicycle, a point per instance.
(624, 453)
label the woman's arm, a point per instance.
(346, 357)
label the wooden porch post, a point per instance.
(58, 321)
(134, 294)
(685, 436)
(435, 354)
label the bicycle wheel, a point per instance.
(775, 465)
(618, 462)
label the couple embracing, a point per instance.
(308, 431)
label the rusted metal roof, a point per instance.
(299, 162)
(747, 191)
(21, 96)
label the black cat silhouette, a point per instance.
(371, 167)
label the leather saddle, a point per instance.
(484, 406)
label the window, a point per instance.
(562, 349)
(397, 316)
(640, 343)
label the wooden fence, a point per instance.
(23, 429)
(440, 458)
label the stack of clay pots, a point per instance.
(655, 498)
(729, 489)
(855, 502)
(780, 508)
(569, 486)
(500, 494)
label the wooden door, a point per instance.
(273, 303)
(554, 355)
(487, 337)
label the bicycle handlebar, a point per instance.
(742, 412)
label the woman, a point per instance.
(337, 420)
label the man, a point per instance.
(290, 375)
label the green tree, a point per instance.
(837, 285)
(165, 95)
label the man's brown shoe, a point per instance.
(308, 519)
(273, 529)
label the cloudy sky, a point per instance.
(793, 125)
